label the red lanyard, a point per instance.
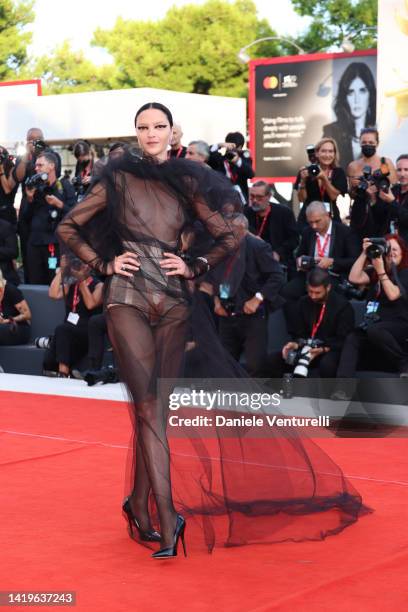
(76, 298)
(321, 249)
(233, 176)
(179, 152)
(261, 228)
(317, 324)
(51, 250)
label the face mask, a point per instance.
(368, 150)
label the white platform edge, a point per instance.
(59, 386)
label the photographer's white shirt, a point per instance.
(322, 248)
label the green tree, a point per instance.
(192, 49)
(14, 36)
(335, 20)
(68, 71)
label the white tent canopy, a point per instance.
(105, 115)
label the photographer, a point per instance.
(83, 295)
(394, 203)
(15, 315)
(322, 319)
(198, 150)
(47, 203)
(25, 168)
(369, 141)
(322, 180)
(326, 244)
(235, 163)
(8, 188)
(372, 212)
(384, 330)
(84, 168)
(274, 223)
(248, 290)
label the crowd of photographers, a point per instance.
(315, 266)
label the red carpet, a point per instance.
(62, 462)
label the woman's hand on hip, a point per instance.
(175, 266)
(126, 264)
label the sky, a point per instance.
(77, 19)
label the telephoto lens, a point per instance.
(43, 342)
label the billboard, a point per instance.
(392, 107)
(294, 101)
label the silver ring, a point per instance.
(123, 267)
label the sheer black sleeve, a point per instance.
(225, 240)
(71, 229)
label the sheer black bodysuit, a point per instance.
(248, 484)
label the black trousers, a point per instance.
(323, 366)
(380, 344)
(97, 333)
(248, 335)
(12, 335)
(37, 264)
(69, 344)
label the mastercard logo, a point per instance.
(270, 82)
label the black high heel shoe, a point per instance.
(149, 535)
(171, 551)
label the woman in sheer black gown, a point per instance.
(129, 227)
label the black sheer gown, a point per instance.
(235, 489)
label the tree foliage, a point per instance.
(68, 71)
(335, 20)
(14, 36)
(193, 48)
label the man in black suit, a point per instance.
(329, 245)
(236, 163)
(322, 314)
(274, 223)
(248, 289)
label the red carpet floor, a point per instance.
(61, 529)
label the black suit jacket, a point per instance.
(280, 230)
(261, 272)
(344, 247)
(337, 323)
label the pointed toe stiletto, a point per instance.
(171, 551)
(149, 535)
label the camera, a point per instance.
(307, 263)
(39, 146)
(104, 376)
(365, 180)
(379, 178)
(313, 168)
(350, 291)
(230, 154)
(300, 357)
(43, 342)
(37, 181)
(378, 248)
(5, 157)
(78, 185)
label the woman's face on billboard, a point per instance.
(358, 98)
